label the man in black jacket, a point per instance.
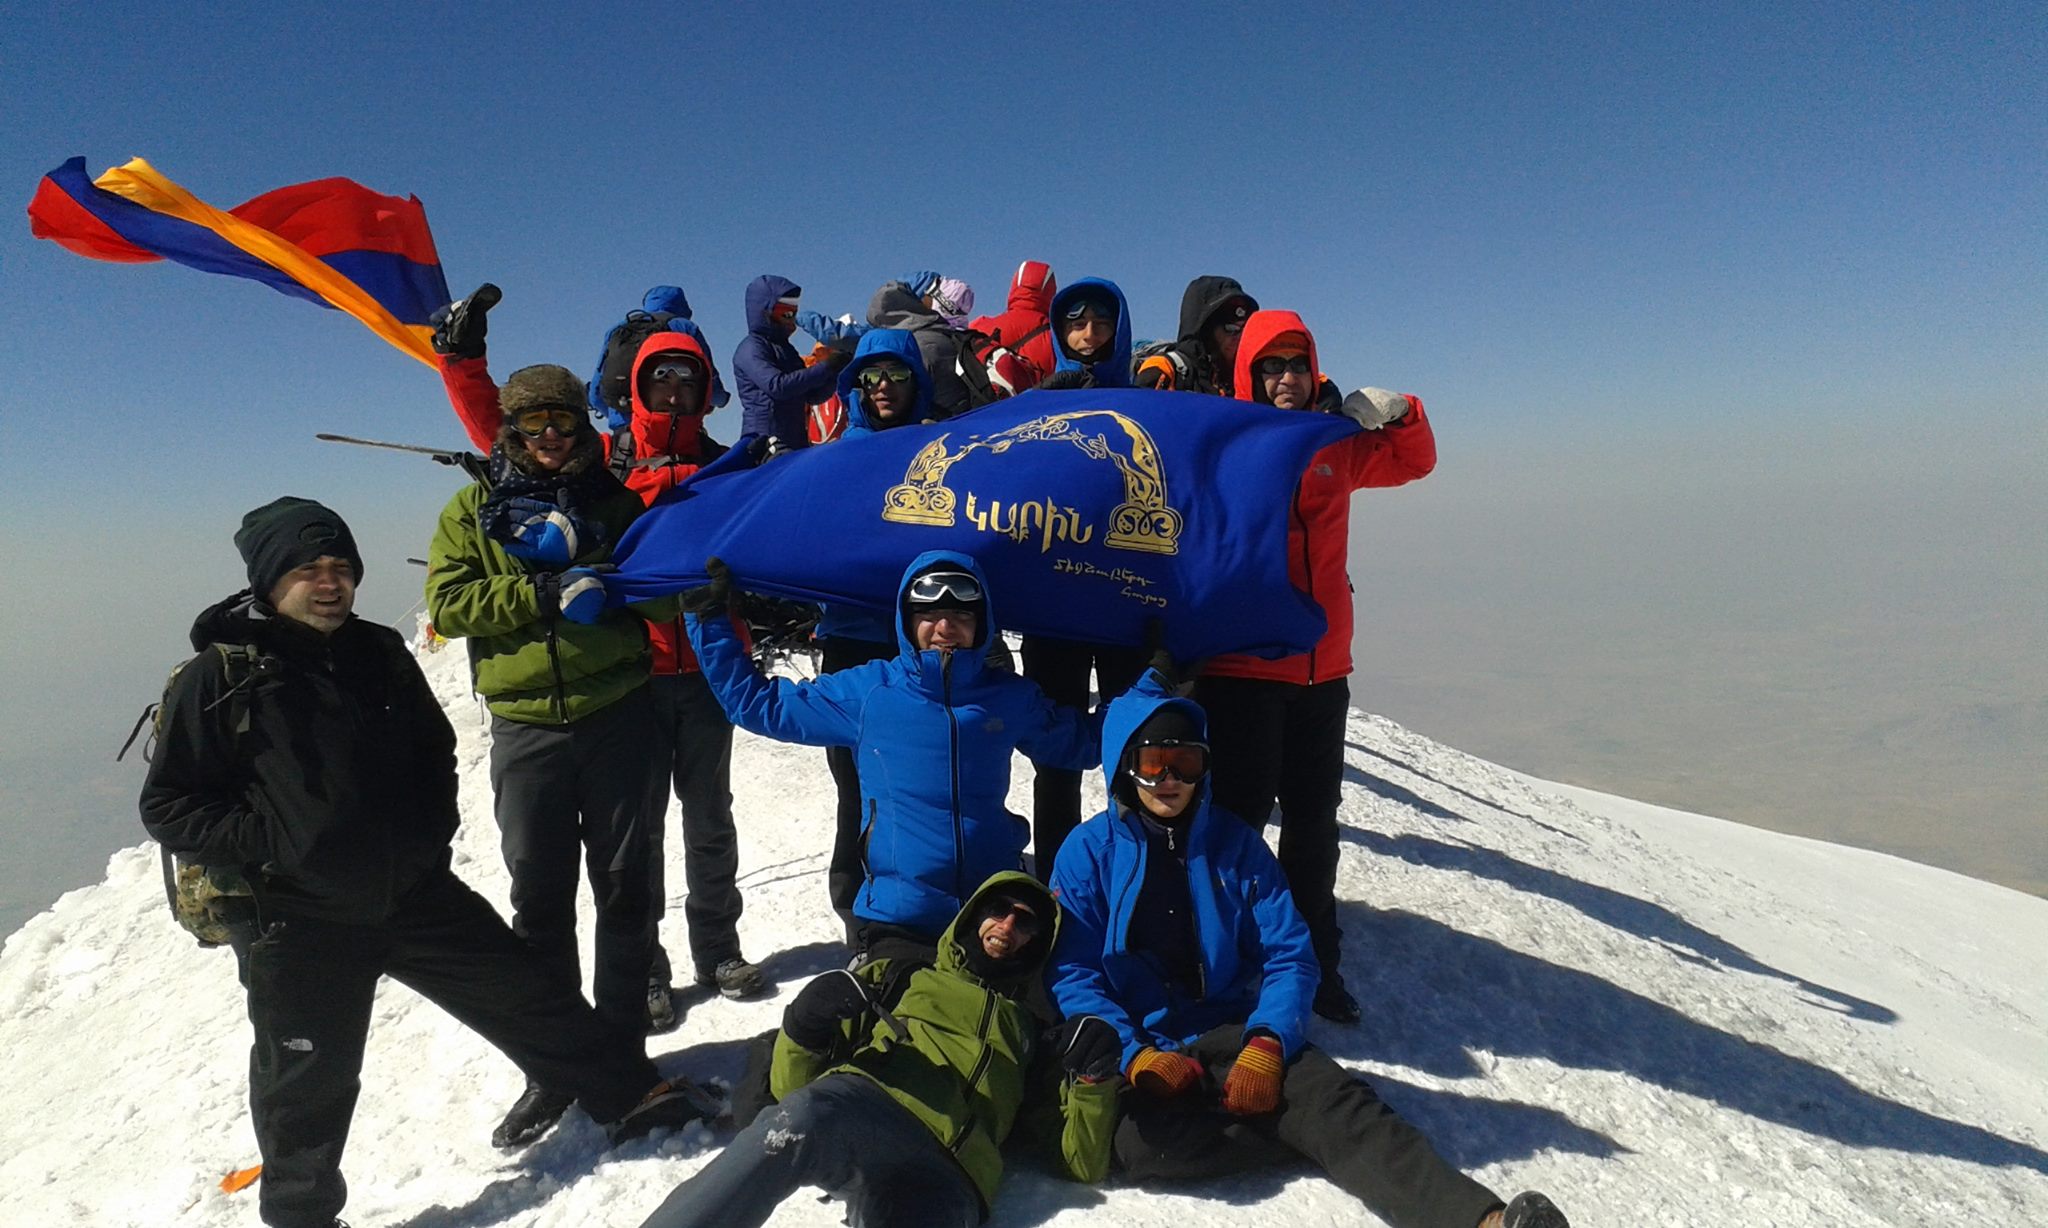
(1212, 315)
(323, 769)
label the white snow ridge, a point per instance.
(1657, 1018)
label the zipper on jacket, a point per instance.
(1308, 570)
(867, 833)
(981, 1064)
(953, 759)
(555, 664)
(1136, 876)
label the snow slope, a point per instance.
(1656, 1017)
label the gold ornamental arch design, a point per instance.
(1143, 521)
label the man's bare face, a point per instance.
(319, 594)
(944, 629)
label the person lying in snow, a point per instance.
(898, 1084)
(1179, 931)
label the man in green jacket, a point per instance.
(897, 1084)
(566, 681)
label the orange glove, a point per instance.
(1163, 1074)
(1253, 1085)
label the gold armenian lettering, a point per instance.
(1143, 521)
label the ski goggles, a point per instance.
(1283, 364)
(1149, 762)
(1090, 305)
(782, 312)
(873, 377)
(948, 590)
(532, 423)
(681, 371)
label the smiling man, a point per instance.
(932, 729)
(899, 1083)
(303, 748)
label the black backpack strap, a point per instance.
(621, 462)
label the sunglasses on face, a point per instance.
(533, 422)
(1151, 761)
(874, 377)
(677, 372)
(1017, 912)
(1282, 364)
(950, 589)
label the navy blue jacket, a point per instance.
(932, 733)
(1112, 371)
(1258, 966)
(837, 620)
(774, 384)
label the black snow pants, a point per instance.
(1281, 741)
(577, 793)
(311, 986)
(694, 736)
(1327, 1115)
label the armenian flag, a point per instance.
(332, 242)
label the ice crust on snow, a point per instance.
(1655, 1016)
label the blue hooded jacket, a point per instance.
(1112, 371)
(661, 298)
(932, 733)
(1258, 966)
(774, 384)
(883, 343)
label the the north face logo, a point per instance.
(298, 1044)
(1324, 471)
(993, 724)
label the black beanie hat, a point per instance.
(290, 532)
(1170, 723)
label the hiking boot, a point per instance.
(1335, 1003)
(673, 1103)
(661, 1007)
(1532, 1210)
(734, 978)
(532, 1115)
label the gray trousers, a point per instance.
(578, 793)
(695, 741)
(844, 1135)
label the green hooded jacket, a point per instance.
(530, 665)
(965, 1069)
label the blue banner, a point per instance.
(1091, 511)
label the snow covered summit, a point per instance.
(1657, 1017)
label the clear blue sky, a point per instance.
(1727, 251)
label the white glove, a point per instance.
(1373, 408)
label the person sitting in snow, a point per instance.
(898, 1084)
(1179, 931)
(326, 774)
(932, 729)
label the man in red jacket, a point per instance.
(1023, 327)
(1276, 728)
(672, 377)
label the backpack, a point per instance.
(994, 369)
(208, 902)
(1180, 373)
(611, 385)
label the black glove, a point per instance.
(459, 327)
(838, 359)
(813, 1019)
(1072, 377)
(714, 596)
(1088, 1048)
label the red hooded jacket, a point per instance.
(1031, 292)
(1319, 528)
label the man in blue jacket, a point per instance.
(1179, 932)
(885, 386)
(932, 730)
(774, 384)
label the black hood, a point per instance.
(1201, 299)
